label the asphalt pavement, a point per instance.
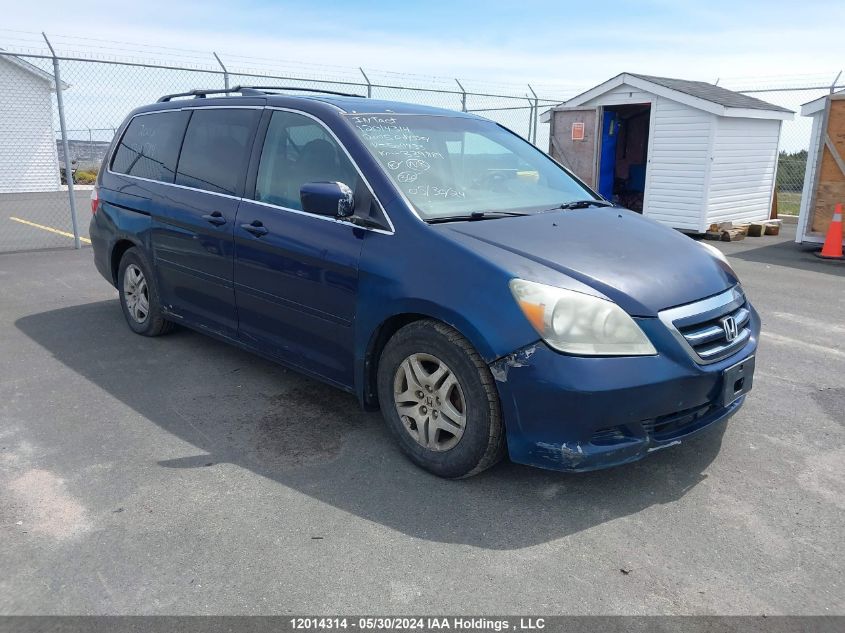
(42, 219)
(181, 475)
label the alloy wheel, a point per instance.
(136, 293)
(430, 402)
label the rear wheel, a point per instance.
(439, 400)
(139, 296)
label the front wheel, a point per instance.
(439, 400)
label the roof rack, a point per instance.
(251, 91)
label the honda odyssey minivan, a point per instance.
(431, 262)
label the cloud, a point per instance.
(544, 44)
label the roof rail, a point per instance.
(249, 90)
(264, 89)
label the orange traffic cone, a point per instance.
(832, 248)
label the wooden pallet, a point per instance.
(727, 232)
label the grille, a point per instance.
(701, 326)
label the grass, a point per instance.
(85, 177)
(789, 202)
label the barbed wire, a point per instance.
(97, 49)
(102, 49)
(776, 83)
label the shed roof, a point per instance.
(817, 105)
(31, 69)
(712, 93)
(697, 94)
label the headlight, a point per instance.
(576, 323)
(715, 252)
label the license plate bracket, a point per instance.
(737, 380)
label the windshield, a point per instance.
(452, 166)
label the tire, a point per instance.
(139, 298)
(442, 445)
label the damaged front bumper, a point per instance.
(584, 413)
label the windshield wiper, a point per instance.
(583, 204)
(476, 215)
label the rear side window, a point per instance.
(150, 146)
(216, 150)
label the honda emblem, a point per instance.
(731, 330)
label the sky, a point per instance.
(565, 45)
(561, 48)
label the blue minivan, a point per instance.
(431, 262)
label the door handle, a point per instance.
(256, 228)
(215, 217)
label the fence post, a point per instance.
(65, 147)
(463, 96)
(369, 85)
(225, 72)
(536, 113)
(530, 119)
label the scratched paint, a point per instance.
(570, 453)
(662, 446)
(519, 358)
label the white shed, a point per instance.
(686, 153)
(824, 177)
(28, 156)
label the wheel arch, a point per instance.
(122, 245)
(381, 334)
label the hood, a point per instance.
(640, 264)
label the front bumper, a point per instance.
(576, 413)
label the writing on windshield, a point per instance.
(454, 165)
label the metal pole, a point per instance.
(91, 146)
(463, 96)
(369, 85)
(530, 119)
(536, 113)
(833, 85)
(225, 72)
(65, 147)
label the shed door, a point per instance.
(607, 155)
(574, 141)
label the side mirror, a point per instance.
(333, 199)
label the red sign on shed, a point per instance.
(577, 130)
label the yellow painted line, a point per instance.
(49, 228)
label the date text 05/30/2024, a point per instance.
(418, 623)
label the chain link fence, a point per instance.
(35, 196)
(96, 93)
